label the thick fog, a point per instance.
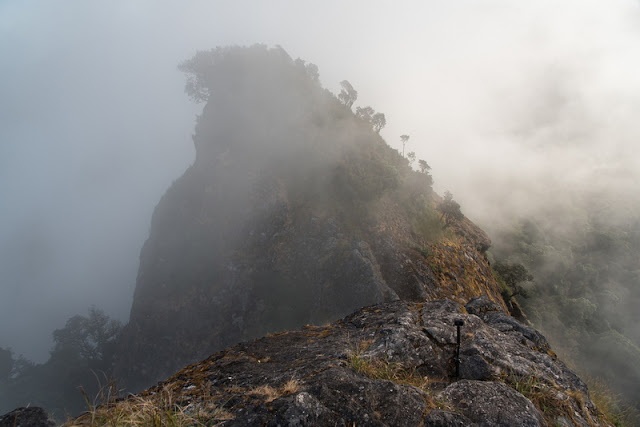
(510, 102)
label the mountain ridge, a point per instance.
(295, 211)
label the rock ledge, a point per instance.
(388, 364)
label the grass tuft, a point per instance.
(270, 393)
(266, 391)
(552, 403)
(380, 369)
(611, 404)
(157, 409)
(290, 387)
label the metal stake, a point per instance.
(458, 323)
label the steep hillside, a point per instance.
(583, 254)
(294, 212)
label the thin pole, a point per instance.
(458, 323)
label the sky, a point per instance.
(509, 101)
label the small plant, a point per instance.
(385, 370)
(425, 252)
(290, 387)
(546, 397)
(450, 209)
(436, 268)
(107, 393)
(538, 392)
(269, 393)
(380, 369)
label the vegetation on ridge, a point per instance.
(584, 294)
(82, 357)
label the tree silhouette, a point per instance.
(310, 69)
(411, 156)
(368, 114)
(365, 113)
(513, 275)
(450, 209)
(348, 94)
(404, 139)
(378, 121)
(83, 348)
(424, 166)
(86, 338)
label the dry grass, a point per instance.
(159, 410)
(170, 406)
(266, 391)
(360, 347)
(395, 372)
(383, 369)
(270, 393)
(613, 408)
(548, 398)
(542, 395)
(611, 405)
(290, 387)
(390, 371)
(234, 390)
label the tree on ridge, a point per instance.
(348, 94)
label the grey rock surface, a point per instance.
(488, 403)
(440, 418)
(390, 364)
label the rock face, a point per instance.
(490, 404)
(294, 212)
(390, 364)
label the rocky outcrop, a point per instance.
(385, 365)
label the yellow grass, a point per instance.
(157, 410)
(290, 387)
(270, 393)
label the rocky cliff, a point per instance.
(391, 364)
(294, 212)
